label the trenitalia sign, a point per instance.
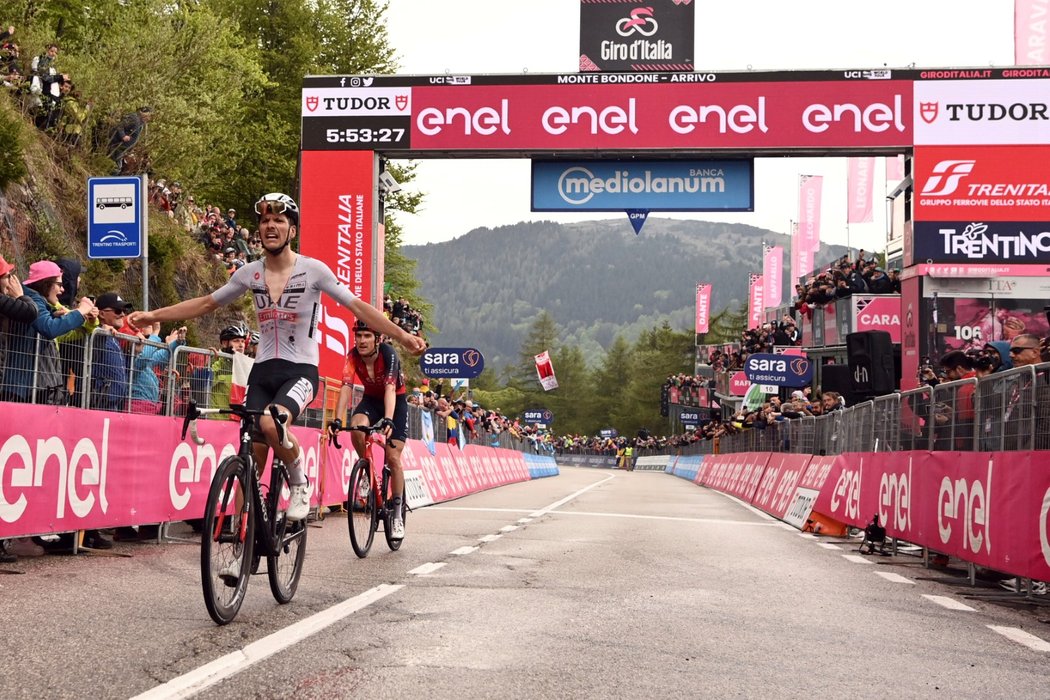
(653, 185)
(607, 111)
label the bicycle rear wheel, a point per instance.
(227, 539)
(361, 507)
(395, 544)
(286, 566)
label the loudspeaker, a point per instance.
(836, 378)
(871, 368)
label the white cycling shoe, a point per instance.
(397, 529)
(299, 502)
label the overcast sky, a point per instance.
(433, 37)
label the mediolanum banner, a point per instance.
(723, 185)
(624, 35)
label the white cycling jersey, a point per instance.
(287, 326)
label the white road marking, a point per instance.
(789, 528)
(716, 521)
(489, 538)
(508, 528)
(428, 568)
(828, 545)
(857, 559)
(1021, 637)
(524, 520)
(560, 502)
(202, 677)
(486, 510)
(894, 578)
(463, 550)
(756, 511)
(946, 602)
(807, 535)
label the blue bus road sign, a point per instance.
(538, 415)
(778, 370)
(453, 363)
(674, 185)
(115, 222)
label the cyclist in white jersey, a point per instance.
(286, 288)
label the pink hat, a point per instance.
(42, 270)
(5, 266)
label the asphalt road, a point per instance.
(589, 584)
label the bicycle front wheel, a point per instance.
(285, 566)
(227, 538)
(361, 508)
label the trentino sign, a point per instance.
(691, 185)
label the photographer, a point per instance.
(952, 419)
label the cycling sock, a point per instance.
(296, 474)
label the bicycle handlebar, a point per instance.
(334, 430)
(235, 409)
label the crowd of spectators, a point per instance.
(844, 278)
(401, 312)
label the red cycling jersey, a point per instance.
(387, 369)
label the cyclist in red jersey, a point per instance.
(377, 367)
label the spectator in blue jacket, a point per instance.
(109, 365)
(145, 385)
(28, 340)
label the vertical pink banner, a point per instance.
(894, 170)
(703, 307)
(801, 259)
(773, 275)
(860, 175)
(809, 188)
(1030, 18)
(754, 305)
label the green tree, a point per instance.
(609, 384)
(542, 335)
(570, 400)
(725, 326)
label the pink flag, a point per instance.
(703, 307)
(773, 274)
(894, 170)
(809, 211)
(860, 173)
(1030, 18)
(754, 305)
(801, 259)
(545, 371)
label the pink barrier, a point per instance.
(988, 508)
(64, 469)
(992, 509)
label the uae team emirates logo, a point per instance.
(311, 102)
(929, 111)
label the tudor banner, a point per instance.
(624, 35)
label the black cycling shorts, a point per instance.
(288, 384)
(374, 408)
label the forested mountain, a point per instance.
(595, 278)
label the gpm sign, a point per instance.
(780, 370)
(452, 363)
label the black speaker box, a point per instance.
(871, 365)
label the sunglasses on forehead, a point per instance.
(270, 206)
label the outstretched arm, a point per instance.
(191, 308)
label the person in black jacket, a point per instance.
(128, 133)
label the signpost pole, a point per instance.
(144, 213)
